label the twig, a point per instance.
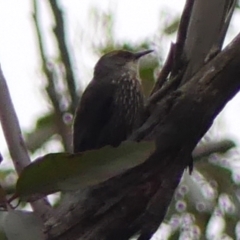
(14, 139)
(162, 77)
(170, 85)
(204, 150)
(50, 89)
(59, 31)
(175, 58)
(181, 37)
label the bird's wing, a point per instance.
(92, 114)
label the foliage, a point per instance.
(69, 172)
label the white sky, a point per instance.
(18, 54)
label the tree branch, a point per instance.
(162, 77)
(59, 32)
(213, 147)
(15, 142)
(52, 93)
(204, 38)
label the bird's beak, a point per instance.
(142, 53)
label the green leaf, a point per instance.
(22, 225)
(67, 172)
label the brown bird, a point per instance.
(112, 105)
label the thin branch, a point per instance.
(60, 34)
(15, 142)
(169, 86)
(179, 58)
(175, 60)
(204, 150)
(53, 94)
(11, 128)
(162, 77)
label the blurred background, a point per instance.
(47, 52)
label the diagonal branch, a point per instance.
(60, 34)
(15, 142)
(52, 92)
(206, 33)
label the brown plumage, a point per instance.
(111, 107)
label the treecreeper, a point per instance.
(112, 105)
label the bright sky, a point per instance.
(18, 54)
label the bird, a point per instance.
(112, 105)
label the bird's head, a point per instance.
(119, 60)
